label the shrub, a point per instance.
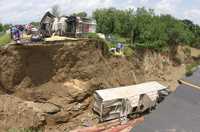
(177, 60)
(5, 39)
(190, 69)
(92, 35)
(157, 46)
(187, 51)
(128, 51)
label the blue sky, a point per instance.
(24, 11)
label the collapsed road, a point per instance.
(179, 112)
(194, 79)
(53, 83)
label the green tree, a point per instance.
(80, 14)
(147, 29)
(195, 29)
(36, 24)
(105, 20)
(114, 21)
(176, 30)
(1, 27)
(7, 26)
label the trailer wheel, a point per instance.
(149, 110)
(134, 116)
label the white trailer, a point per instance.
(122, 101)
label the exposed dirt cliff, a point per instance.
(56, 82)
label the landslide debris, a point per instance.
(16, 113)
(51, 86)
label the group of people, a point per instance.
(16, 33)
(118, 50)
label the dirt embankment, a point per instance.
(51, 86)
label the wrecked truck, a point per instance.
(121, 102)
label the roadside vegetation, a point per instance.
(144, 29)
(4, 39)
(191, 68)
(3, 28)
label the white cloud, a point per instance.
(193, 14)
(24, 11)
(85, 5)
(143, 2)
(167, 6)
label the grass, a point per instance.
(91, 35)
(128, 51)
(5, 39)
(120, 39)
(190, 69)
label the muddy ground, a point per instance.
(50, 87)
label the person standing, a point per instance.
(11, 32)
(119, 47)
(21, 29)
(16, 35)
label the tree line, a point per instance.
(146, 29)
(3, 27)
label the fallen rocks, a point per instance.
(43, 107)
(14, 113)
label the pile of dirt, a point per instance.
(66, 76)
(16, 113)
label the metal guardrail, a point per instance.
(188, 84)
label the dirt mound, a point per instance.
(15, 113)
(66, 76)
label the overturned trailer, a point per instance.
(70, 26)
(124, 101)
(46, 24)
(79, 26)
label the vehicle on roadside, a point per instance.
(36, 36)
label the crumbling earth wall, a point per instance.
(57, 81)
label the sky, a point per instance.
(25, 11)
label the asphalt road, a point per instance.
(194, 79)
(180, 112)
